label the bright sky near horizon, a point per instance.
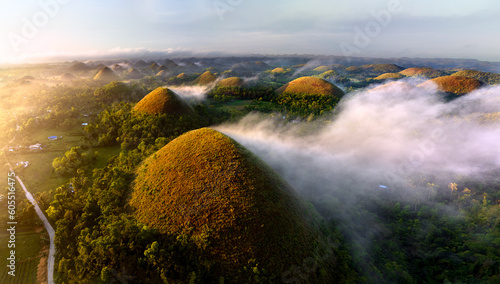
(31, 30)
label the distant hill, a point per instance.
(311, 86)
(486, 77)
(387, 76)
(163, 100)
(79, 66)
(278, 70)
(68, 77)
(163, 74)
(328, 74)
(457, 85)
(425, 72)
(321, 69)
(106, 74)
(231, 82)
(206, 186)
(140, 64)
(205, 78)
(134, 74)
(353, 70)
(381, 68)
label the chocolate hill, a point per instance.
(106, 74)
(457, 85)
(311, 86)
(163, 100)
(205, 78)
(205, 185)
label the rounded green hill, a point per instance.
(207, 186)
(311, 86)
(457, 85)
(205, 78)
(163, 100)
(231, 82)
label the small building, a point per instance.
(52, 138)
(85, 124)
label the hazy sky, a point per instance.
(116, 28)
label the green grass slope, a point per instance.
(311, 86)
(163, 100)
(206, 186)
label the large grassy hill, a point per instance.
(163, 100)
(311, 86)
(457, 85)
(206, 186)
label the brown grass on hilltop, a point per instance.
(207, 186)
(422, 72)
(486, 77)
(163, 100)
(278, 70)
(382, 68)
(205, 78)
(386, 76)
(311, 86)
(321, 69)
(106, 74)
(457, 85)
(231, 82)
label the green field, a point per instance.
(38, 176)
(28, 244)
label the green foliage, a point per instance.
(305, 104)
(112, 92)
(72, 160)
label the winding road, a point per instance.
(48, 227)
(45, 221)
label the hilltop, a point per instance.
(486, 77)
(311, 86)
(163, 100)
(207, 186)
(231, 82)
(386, 76)
(422, 72)
(457, 85)
(106, 74)
(205, 78)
